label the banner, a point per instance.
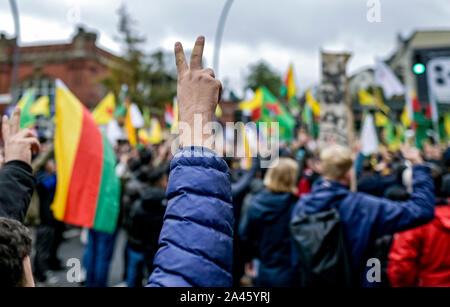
(334, 115)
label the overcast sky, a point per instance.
(278, 31)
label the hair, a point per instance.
(282, 176)
(336, 162)
(15, 246)
(145, 156)
(158, 173)
(445, 189)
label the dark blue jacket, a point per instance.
(196, 241)
(267, 230)
(17, 184)
(366, 217)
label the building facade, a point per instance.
(80, 64)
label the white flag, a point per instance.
(369, 138)
(385, 78)
(114, 133)
(136, 117)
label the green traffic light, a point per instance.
(419, 69)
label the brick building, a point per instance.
(79, 64)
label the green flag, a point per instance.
(423, 125)
(121, 109)
(273, 111)
(27, 118)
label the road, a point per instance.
(72, 247)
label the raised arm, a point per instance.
(196, 241)
(391, 216)
(17, 182)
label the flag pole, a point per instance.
(434, 113)
(16, 57)
(219, 34)
(351, 134)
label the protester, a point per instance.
(266, 234)
(15, 251)
(366, 218)
(97, 258)
(49, 233)
(311, 173)
(202, 220)
(420, 257)
(196, 242)
(144, 226)
(241, 180)
(16, 176)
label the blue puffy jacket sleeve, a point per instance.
(390, 216)
(196, 241)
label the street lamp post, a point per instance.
(219, 34)
(16, 57)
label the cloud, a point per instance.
(278, 31)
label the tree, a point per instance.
(149, 84)
(261, 74)
(163, 84)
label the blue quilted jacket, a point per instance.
(367, 217)
(196, 241)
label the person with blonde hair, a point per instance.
(266, 234)
(362, 218)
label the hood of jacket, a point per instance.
(269, 206)
(324, 195)
(152, 198)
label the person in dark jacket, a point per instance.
(16, 189)
(144, 226)
(17, 182)
(311, 173)
(196, 241)
(49, 234)
(239, 189)
(267, 229)
(366, 218)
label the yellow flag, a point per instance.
(247, 149)
(104, 112)
(41, 107)
(253, 104)
(381, 120)
(406, 121)
(129, 128)
(383, 107)
(155, 132)
(219, 112)
(447, 123)
(366, 99)
(380, 102)
(176, 118)
(290, 83)
(144, 138)
(315, 106)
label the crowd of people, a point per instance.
(196, 219)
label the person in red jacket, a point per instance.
(420, 257)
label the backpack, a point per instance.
(320, 249)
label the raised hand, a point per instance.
(412, 154)
(19, 145)
(198, 92)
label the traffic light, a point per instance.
(418, 67)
